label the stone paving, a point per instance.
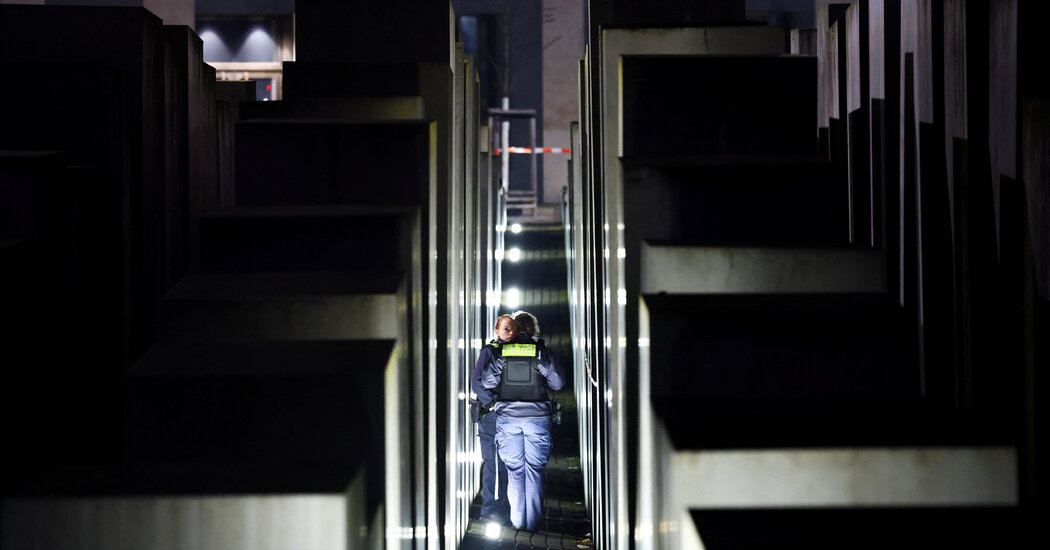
(566, 523)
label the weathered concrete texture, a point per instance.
(1035, 120)
(845, 477)
(856, 55)
(830, 65)
(278, 307)
(832, 75)
(726, 270)
(804, 41)
(824, 86)
(877, 48)
(917, 37)
(916, 41)
(264, 522)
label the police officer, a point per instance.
(521, 377)
(494, 505)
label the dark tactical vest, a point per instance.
(520, 379)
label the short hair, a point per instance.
(513, 321)
(527, 322)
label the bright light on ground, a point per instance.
(492, 530)
(512, 298)
(515, 228)
(514, 254)
(499, 254)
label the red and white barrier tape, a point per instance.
(537, 151)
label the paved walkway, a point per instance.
(542, 278)
(565, 521)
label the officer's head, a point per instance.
(527, 323)
(506, 328)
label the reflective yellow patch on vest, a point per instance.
(519, 350)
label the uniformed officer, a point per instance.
(521, 378)
(494, 506)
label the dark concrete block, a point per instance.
(863, 224)
(71, 258)
(831, 55)
(858, 101)
(61, 281)
(42, 113)
(933, 244)
(130, 41)
(318, 405)
(857, 44)
(770, 350)
(358, 30)
(33, 191)
(190, 155)
(774, 203)
(999, 64)
(864, 527)
(980, 288)
(312, 80)
(322, 163)
(127, 39)
(666, 12)
(285, 240)
(701, 105)
(229, 96)
(234, 91)
(348, 110)
(886, 158)
(804, 42)
(1035, 124)
(956, 54)
(798, 371)
(838, 144)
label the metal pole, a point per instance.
(532, 143)
(504, 127)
